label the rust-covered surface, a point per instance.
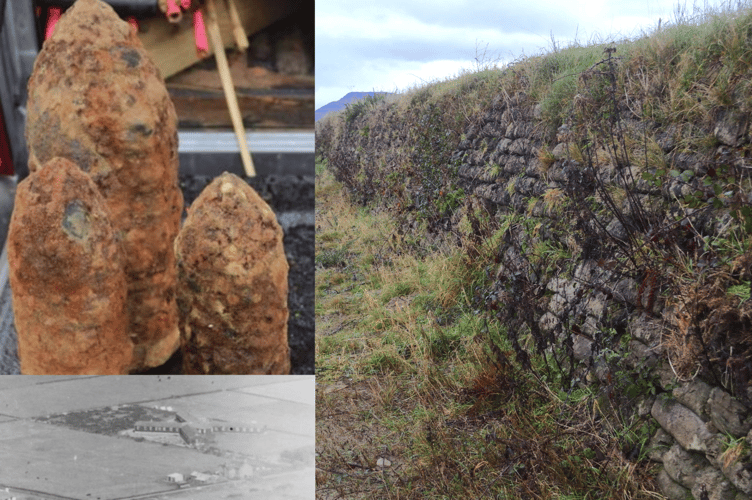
(69, 293)
(233, 286)
(96, 98)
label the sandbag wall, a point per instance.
(617, 323)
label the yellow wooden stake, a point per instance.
(241, 38)
(215, 38)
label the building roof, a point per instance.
(146, 423)
(186, 416)
(163, 423)
(200, 476)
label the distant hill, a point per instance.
(338, 105)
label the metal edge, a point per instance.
(276, 142)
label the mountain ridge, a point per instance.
(348, 98)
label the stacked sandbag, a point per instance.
(232, 290)
(97, 99)
(69, 293)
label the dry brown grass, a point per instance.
(405, 371)
(707, 327)
(404, 374)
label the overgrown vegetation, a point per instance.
(685, 255)
(355, 109)
(434, 352)
(410, 370)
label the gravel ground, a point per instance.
(292, 199)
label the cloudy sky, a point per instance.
(397, 44)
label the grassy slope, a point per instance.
(402, 347)
(403, 375)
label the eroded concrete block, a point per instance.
(728, 414)
(684, 425)
(711, 484)
(684, 466)
(671, 488)
(694, 395)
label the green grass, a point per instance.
(409, 369)
(684, 73)
(415, 366)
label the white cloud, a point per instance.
(422, 73)
(397, 44)
(391, 26)
(383, 75)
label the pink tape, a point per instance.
(185, 4)
(53, 16)
(173, 11)
(134, 24)
(199, 32)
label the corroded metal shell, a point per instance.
(96, 99)
(66, 274)
(232, 290)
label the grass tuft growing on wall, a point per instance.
(436, 377)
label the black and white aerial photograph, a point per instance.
(157, 437)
